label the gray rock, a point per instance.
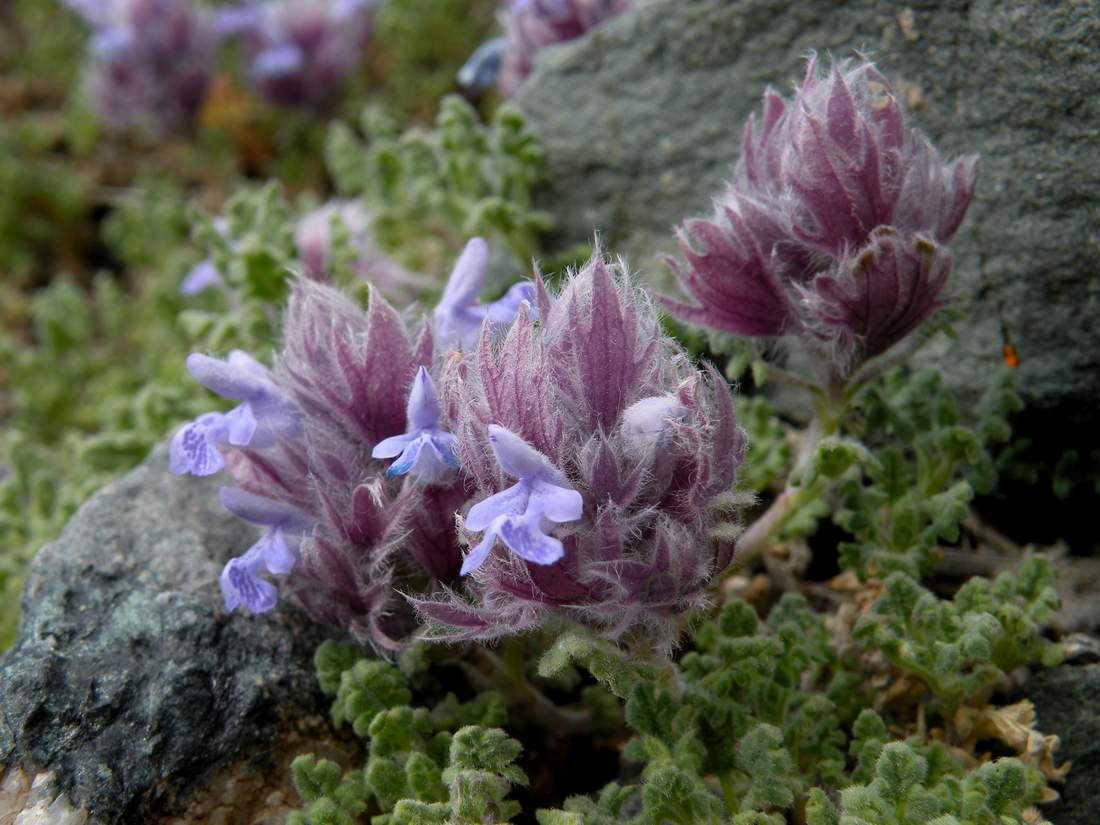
(129, 681)
(1067, 702)
(641, 122)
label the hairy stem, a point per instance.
(829, 403)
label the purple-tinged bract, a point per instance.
(597, 451)
(150, 61)
(834, 224)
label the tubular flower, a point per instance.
(593, 426)
(276, 551)
(302, 51)
(520, 515)
(423, 450)
(264, 417)
(149, 62)
(459, 316)
(835, 223)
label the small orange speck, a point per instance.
(1012, 358)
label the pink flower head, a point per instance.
(834, 202)
(150, 61)
(596, 449)
(360, 533)
(302, 51)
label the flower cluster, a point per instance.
(834, 225)
(578, 456)
(530, 26)
(150, 61)
(301, 52)
(596, 449)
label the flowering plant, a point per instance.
(607, 515)
(834, 226)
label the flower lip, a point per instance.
(423, 449)
(521, 515)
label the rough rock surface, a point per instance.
(642, 119)
(1067, 702)
(129, 681)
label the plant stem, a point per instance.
(829, 404)
(501, 675)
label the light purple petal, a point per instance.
(393, 446)
(468, 276)
(423, 407)
(281, 59)
(242, 586)
(409, 456)
(481, 69)
(193, 448)
(235, 378)
(645, 422)
(233, 21)
(555, 503)
(504, 309)
(518, 458)
(477, 556)
(510, 502)
(525, 538)
(201, 276)
(277, 419)
(445, 445)
(241, 425)
(424, 459)
(260, 510)
(277, 555)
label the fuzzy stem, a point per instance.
(502, 676)
(829, 410)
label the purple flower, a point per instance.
(302, 51)
(532, 25)
(423, 449)
(595, 419)
(459, 316)
(521, 515)
(833, 226)
(276, 551)
(202, 276)
(264, 417)
(350, 375)
(150, 61)
(314, 240)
